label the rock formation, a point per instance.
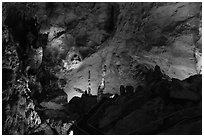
(102, 68)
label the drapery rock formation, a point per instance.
(56, 53)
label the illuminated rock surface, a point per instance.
(58, 50)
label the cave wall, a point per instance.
(119, 35)
(149, 34)
(128, 38)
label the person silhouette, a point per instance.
(122, 90)
(130, 90)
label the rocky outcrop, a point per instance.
(156, 108)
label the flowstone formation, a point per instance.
(102, 68)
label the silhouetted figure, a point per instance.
(157, 73)
(100, 93)
(122, 90)
(139, 89)
(130, 90)
(85, 92)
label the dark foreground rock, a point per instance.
(154, 109)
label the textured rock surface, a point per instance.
(144, 34)
(52, 53)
